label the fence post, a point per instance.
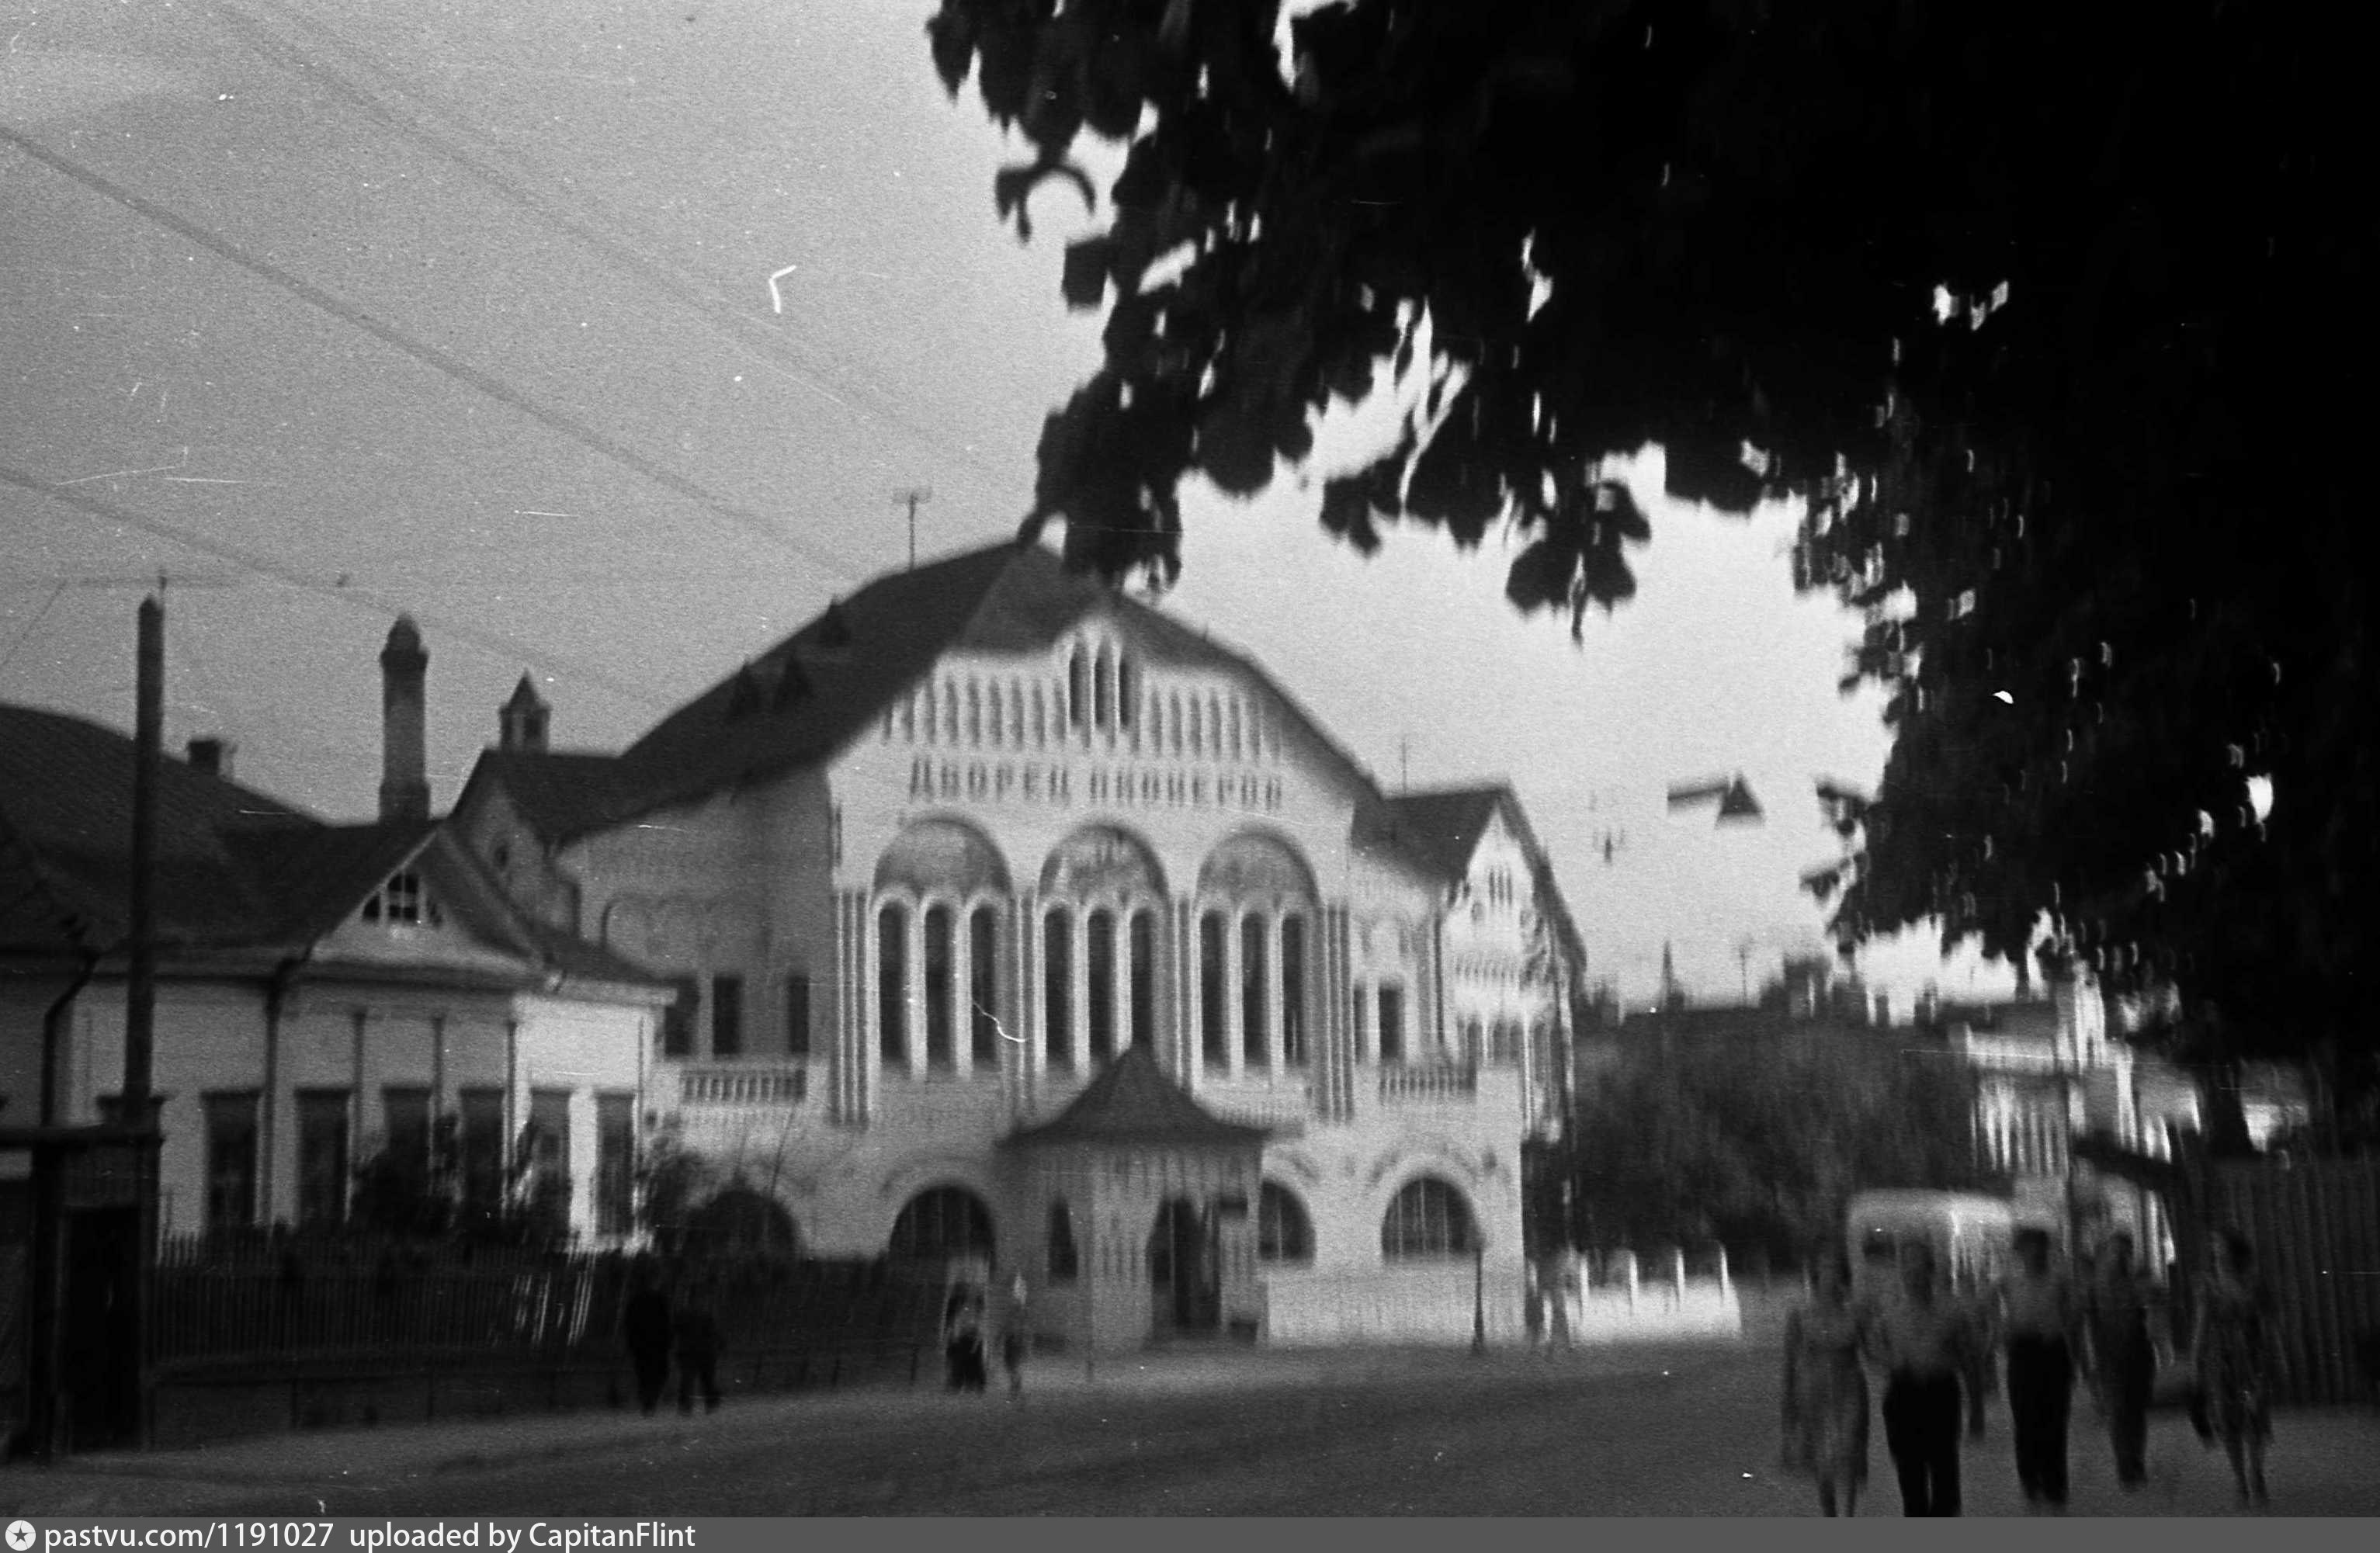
(1678, 1272)
(1632, 1278)
(1722, 1275)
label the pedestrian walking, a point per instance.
(645, 1330)
(1825, 1402)
(698, 1349)
(1929, 1347)
(2039, 1322)
(963, 1339)
(1016, 1337)
(2123, 1355)
(2233, 1347)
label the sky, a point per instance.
(599, 337)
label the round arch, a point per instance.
(940, 1224)
(1430, 1217)
(1284, 1229)
(1101, 861)
(1255, 864)
(942, 857)
(741, 1223)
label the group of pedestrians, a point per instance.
(967, 1337)
(1933, 1350)
(653, 1324)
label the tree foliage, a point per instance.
(2051, 313)
(1760, 1146)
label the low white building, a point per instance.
(1004, 906)
(326, 995)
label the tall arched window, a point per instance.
(1470, 1052)
(983, 977)
(1128, 692)
(1173, 722)
(1098, 972)
(940, 967)
(1428, 1218)
(892, 985)
(942, 1223)
(1103, 690)
(1283, 1232)
(1214, 1017)
(1144, 979)
(1058, 987)
(1391, 1029)
(1293, 990)
(1197, 729)
(1504, 1044)
(1078, 688)
(1256, 1048)
(1063, 1262)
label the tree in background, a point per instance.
(2049, 313)
(1759, 1145)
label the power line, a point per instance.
(757, 342)
(264, 565)
(428, 355)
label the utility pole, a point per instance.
(911, 497)
(140, 997)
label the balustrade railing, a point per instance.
(741, 1084)
(1437, 1082)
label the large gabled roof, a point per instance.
(1132, 1103)
(802, 702)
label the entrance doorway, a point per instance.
(1186, 1270)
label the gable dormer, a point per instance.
(403, 900)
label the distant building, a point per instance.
(1020, 929)
(325, 995)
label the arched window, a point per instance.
(940, 967)
(1470, 1052)
(1428, 1218)
(942, 1223)
(1058, 987)
(1099, 971)
(1505, 1045)
(1390, 1034)
(1078, 688)
(1103, 691)
(1293, 990)
(1173, 722)
(1214, 1018)
(1144, 979)
(1283, 1232)
(951, 710)
(1063, 1262)
(1197, 729)
(983, 974)
(892, 985)
(975, 711)
(1128, 692)
(1256, 1048)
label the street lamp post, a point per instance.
(1478, 1297)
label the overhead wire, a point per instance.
(421, 351)
(757, 343)
(266, 566)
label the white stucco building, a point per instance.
(1017, 925)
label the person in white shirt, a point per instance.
(1928, 1346)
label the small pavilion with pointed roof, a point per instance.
(1153, 1191)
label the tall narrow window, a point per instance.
(322, 1163)
(1078, 688)
(1392, 1024)
(797, 1015)
(727, 1016)
(893, 986)
(677, 1020)
(549, 1152)
(1293, 990)
(615, 1164)
(1256, 1048)
(1103, 688)
(481, 1124)
(407, 1132)
(1144, 979)
(1058, 987)
(939, 952)
(230, 1161)
(983, 995)
(1064, 1263)
(1098, 969)
(1214, 1016)
(1127, 691)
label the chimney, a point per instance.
(404, 672)
(520, 723)
(211, 757)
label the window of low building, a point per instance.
(1065, 1263)
(230, 1161)
(1284, 1233)
(1429, 1219)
